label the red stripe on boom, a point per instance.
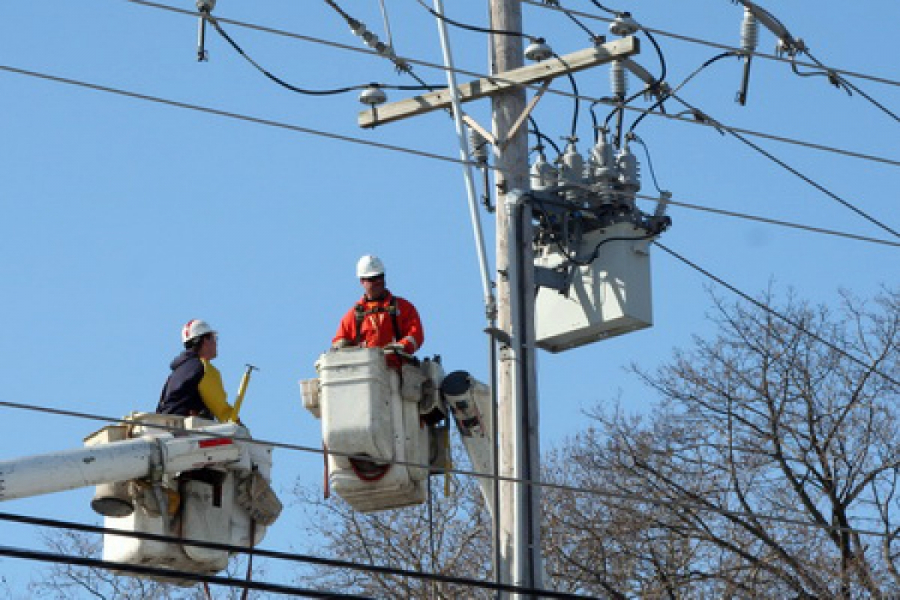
(215, 442)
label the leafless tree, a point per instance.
(769, 470)
(67, 582)
(449, 535)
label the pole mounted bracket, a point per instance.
(489, 86)
(556, 279)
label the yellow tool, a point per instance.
(245, 381)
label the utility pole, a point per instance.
(518, 516)
(516, 511)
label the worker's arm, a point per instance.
(346, 332)
(412, 334)
(213, 393)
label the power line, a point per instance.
(790, 169)
(773, 312)
(401, 149)
(779, 223)
(230, 115)
(710, 44)
(469, 27)
(286, 556)
(301, 37)
(305, 91)
(159, 572)
(338, 563)
(468, 473)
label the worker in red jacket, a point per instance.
(380, 319)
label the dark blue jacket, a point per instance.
(180, 395)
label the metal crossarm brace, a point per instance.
(488, 86)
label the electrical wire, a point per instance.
(835, 77)
(401, 149)
(685, 38)
(663, 69)
(796, 47)
(790, 169)
(544, 138)
(179, 104)
(601, 7)
(162, 573)
(279, 81)
(380, 48)
(668, 93)
(634, 137)
(591, 35)
(297, 36)
(577, 98)
(276, 555)
(214, 22)
(232, 115)
(476, 28)
(798, 326)
(338, 563)
(777, 222)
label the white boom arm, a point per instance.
(119, 461)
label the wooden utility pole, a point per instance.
(517, 509)
(518, 516)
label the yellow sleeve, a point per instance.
(213, 393)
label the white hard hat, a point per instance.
(194, 329)
(369, 266)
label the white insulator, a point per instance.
(629, 170)
(618, 79)
(749, 31)
(571, 168)
(538, 50)
(372, 96)
(623, 25)
(543, 174)
(602, 164)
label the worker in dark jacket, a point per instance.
(194, 388)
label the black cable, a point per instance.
(339, 10)
(272, 77)
(665, 95)
(634, 136)
(577, 98)
(380, 48)
(603, 8)
(329, 92)
(160, 572)
(773, 312)
(594, 124)
(292, 557)
(439, 157)
(663, 71)
(836, 79)
(872, 100)
(702, 42)
(594, 38)
(790, 169)
(541, 137)
(280, 32)
(475, 27)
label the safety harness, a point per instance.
(362, 312)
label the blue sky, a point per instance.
(120, 219)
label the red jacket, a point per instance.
(378, 325)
